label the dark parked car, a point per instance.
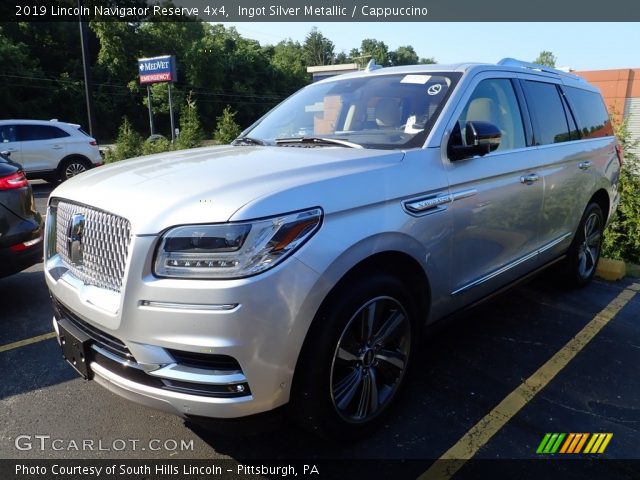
(21, 226)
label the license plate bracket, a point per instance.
(76, 348)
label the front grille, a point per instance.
(105, 242)
(102, 339)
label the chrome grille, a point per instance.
(105, 242)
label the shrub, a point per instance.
(128, 144)
(226, 127)
(157, 146)
(622, 237)
(191, 134)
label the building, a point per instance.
(621, 91)
(321, 72)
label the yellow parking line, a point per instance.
(453, 459)
(27, 341)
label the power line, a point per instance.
(196, 90)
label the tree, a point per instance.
(377, 49)
(546, 58)
(287, 59)
(191, 134)
(404, 56)
(227, 129)
(318, 50)
(128, 144)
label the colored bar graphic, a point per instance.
(543, 443)
(567, 443)
(591, 442)
(574, 443)
(608, 438)
(551, 443)
(558, 442)
(581, 443)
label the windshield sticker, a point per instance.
(418, 79)
(316, 107)
(434, 89)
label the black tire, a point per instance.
(72, 166)
(583, 254)
(355, 358)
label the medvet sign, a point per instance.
(157, 69)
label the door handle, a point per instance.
(529, 179)
(10, 150)
(57, 147)
(584, 165)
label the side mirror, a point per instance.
(5, 153)
(481, 138)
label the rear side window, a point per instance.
(7, 133)
(39, 132)
(548, 112)
(591, 114)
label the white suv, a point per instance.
(50, 150)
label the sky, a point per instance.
(579, 46)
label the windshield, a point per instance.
(381, 111)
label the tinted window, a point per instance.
(493, 101)
(548, 112)
(39, 132)
(7, 133)
(591, 114)
(574, 132)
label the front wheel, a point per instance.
(356, 357)
(584, 252)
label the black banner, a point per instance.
(228, 469)
(218, 11)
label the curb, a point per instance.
(611, 269)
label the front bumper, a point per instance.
(172, 328)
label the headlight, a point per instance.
(233, 250)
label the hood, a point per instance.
(210, 184)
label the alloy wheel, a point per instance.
(589, 249)
(370, 359)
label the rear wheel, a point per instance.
(584, 253)
(355, 359)
(71, 167)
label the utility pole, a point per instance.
(84, 45)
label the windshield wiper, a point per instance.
(249, 141)
(318, 141)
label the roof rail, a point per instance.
(512, 62)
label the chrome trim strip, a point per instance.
(197, 375)
(428, 203)
(464, 194)
(555, 242)
(511, 265)
(115, 358)
(228, 307)
(435, 202)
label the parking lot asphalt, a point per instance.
(463, 371)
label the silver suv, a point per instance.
(298, 266)
(50, 150)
